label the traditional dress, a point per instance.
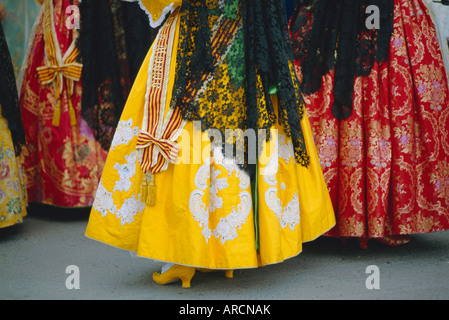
(168, 193)
(385, 155)
(62, 160)
(13, 200)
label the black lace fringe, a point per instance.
(268, 58)
(332, 34)
(114, 39)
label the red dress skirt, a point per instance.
(387, 165)
(62, 160)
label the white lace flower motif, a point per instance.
(125, 133)
(126, 171)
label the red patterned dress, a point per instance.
(387, 164)
(62, 161)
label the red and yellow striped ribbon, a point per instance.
(156, 137)
(169, 149)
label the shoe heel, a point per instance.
(185, 279)
(185, 274)
(229, 274)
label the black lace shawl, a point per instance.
(113, 40)
(332, 34)
(267, 58)
(9, 99)
(268, 53)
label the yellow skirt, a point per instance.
(13, 196)
(204, 215)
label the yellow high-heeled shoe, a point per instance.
(229, 274)
(183, 273)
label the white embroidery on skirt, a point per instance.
(104, 199)
(104, 203)
(207, 177)
(290, 214)
(126, 172)
(125, 133)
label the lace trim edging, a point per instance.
(154, 24)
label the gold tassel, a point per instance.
(57, 114)
(72, 113)
(151, 198)
(149, 192)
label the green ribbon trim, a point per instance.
(255, 193)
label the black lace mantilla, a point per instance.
(114, 39)
(258, 64)
(9, 99)
(332, 34)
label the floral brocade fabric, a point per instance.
(62, 164)
(387, 165)
(13, 198)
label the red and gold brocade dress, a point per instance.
(387, 165)
(62, 161)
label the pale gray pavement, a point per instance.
(34, 257)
